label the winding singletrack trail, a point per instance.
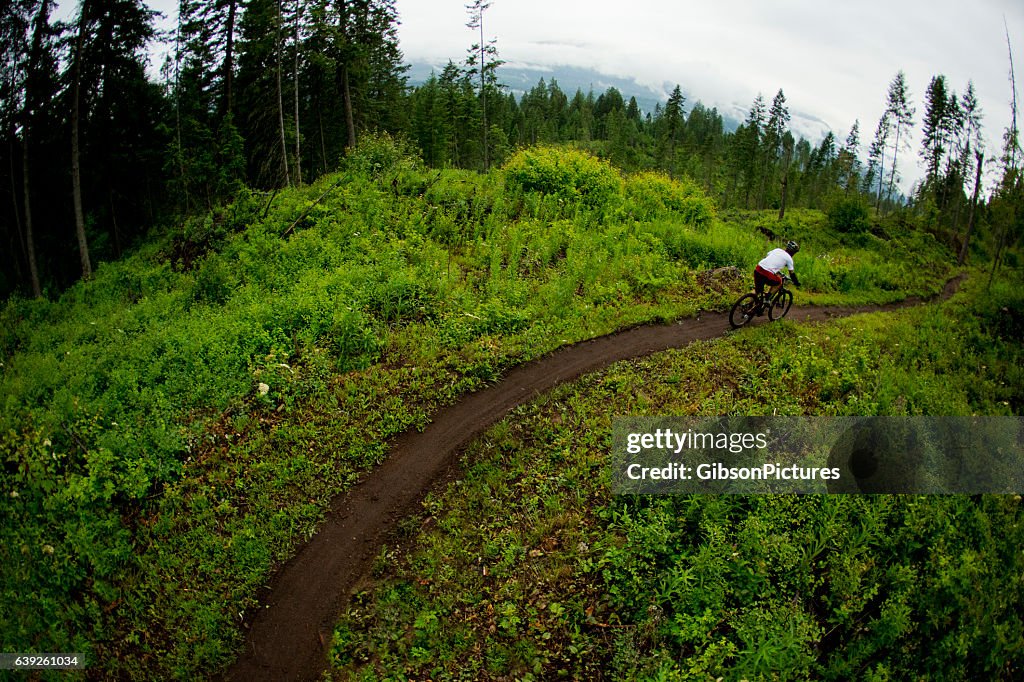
(289, 636)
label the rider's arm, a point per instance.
(792, 275)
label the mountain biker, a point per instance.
(767, 271)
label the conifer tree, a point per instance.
(35, 73)
(76, 123)
(482, 61)
(935, 124)
(848, 161)
(206, 158)
(747, 143)
(898, 106)
(876, 158)
(671, 124)
(778, 120)
(15, 19)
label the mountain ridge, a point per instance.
(520, 78)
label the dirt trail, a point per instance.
(288, 638)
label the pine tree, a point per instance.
(876, 158)
(296, 43)
(848, 162)
(608, 101)
(482, 61)
(260, 95)
(580, 117)
(15, 21)
(462, 110)
(778, 120)
(429, 126)
(747, 144)
(968, 149)
(705, 136)
(35, 69)
(671, 124)
(76, 123)
(935, 126)
(539, 126)
(822, 169)
(898, 106)
(206, 159)
(788, 144)
(279, 58)
(1007, 203)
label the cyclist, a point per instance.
(767, 271)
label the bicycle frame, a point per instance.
(766, 298)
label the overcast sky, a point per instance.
(834, 60)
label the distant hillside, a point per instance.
(521, 77)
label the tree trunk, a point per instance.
(347, 97)
(970, 218)
(892, 172)
(116, 231)
(229, 56)
(999, 254)
(782, 204)
(323, 143)
(787, 162)
(346, 90)
(179, 152)
(881, 177)
(30, 246)
(298, 147)
(14, 202)
(76, 170)
(33, 64)
(483, 93)
(280, 101)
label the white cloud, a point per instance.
(834, 60)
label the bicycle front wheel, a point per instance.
(743, 310)
(780, 306)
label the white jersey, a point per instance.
(776, 260)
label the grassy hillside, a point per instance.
(530, 567)
(174, 428)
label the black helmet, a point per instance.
(792, 247)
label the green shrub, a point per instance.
(215, 281)
(400, 297)
(848, 214)
(651, 194)
(353, 339)
(569, 174)
(379, 153)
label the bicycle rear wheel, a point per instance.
(743, 310)
(780, 306)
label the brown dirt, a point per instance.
(289, 637)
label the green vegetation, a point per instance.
(848, 215)
(528, 567)
(285, 256)
(172, 429)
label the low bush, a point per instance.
(848, 214)
(379, 153)
(569, 174)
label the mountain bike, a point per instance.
(750, 306)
